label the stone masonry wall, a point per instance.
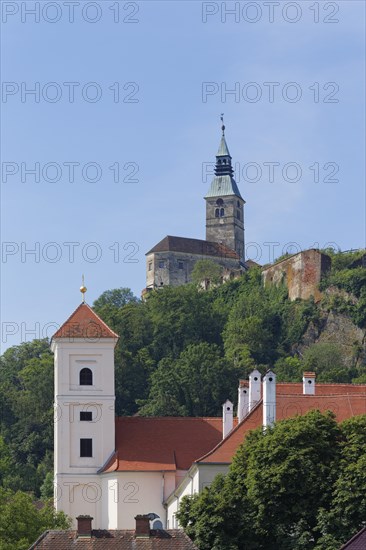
(175, 268)
(301, 274)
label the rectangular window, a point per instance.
(86, 415)
(86, 447)
(150, 266)
(161, 264)
(180, 265)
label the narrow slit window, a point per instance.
(86, 447)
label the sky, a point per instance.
(110, 121)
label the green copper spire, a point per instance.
(223, 183)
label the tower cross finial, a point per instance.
(83, 289)
(223, 125)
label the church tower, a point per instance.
(224, 204)
(84, 428)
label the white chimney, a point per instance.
(269, 399)
(243, 399)
(227, 418)
(308, 383)
(254, 388)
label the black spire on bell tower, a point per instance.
(223, 165)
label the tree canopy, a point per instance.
(299, 485)
(21, 522)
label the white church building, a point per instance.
(114, 469)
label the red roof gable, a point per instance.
(345, 400)
(165, 443)
(84, 323)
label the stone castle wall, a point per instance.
(175, 268)
(301, 274)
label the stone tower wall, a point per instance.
(228, 229)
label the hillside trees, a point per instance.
(26, 395)
(194, 384)
(297, 486)
(21, 523)
(348, 276)
(207, 273)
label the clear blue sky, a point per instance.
(170, 52)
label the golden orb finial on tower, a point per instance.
(83, 289)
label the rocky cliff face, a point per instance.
(337, 328)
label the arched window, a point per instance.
(219, 202)
(238, 214)
(217, 213)
(86, 377)
(222, 212)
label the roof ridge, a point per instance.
(234, 430)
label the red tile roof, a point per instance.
(172, 539)
(84, 323)
(193, 246)
(358, 542)
(345, 400)
(175, 443)
(166, 443)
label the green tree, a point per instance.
(278, 482)
(47, 487)
(348, 511)
(181, 316)
(6, 463)
(195, 384)
(288, 369)
(255, 321)
(116, 298)
(207, 273)
(26, 392)
(21, 523)
(327, 361)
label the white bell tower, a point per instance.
(84, 429)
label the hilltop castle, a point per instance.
(171, 261)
